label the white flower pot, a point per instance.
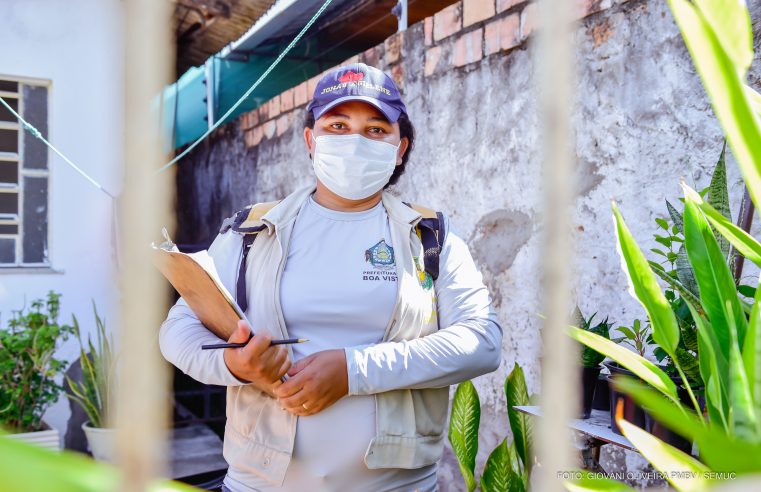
(100, 442)
(49, 438)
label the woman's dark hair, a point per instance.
(405, 130)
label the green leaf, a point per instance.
(747, 290)
(499, 475)
(666, 241)
(743, 419)
(717, 449)
(741, 240)
(662, 223)
(640, 366)
(659, 252)
(675, 284)
(644, 285)
(722, 73)
(751, 354)
(714, 369)
(754, 98)
(520, 423)
(628, 333)
(712, 273)
(730, 21)
(718, 193)
(463, 430)
(688, 363)
(28, 467)
(684, 272)
(683, 471)
(676, 217)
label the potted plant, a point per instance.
(590, 360)
(93, 392)
(29, 368)
(637, 337)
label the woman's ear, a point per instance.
(403, 144)
(308, 140)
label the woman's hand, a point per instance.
(316, 382)
(258, 362)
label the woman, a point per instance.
(340, 263)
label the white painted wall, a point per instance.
(77, 46)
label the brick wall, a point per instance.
(459, 35)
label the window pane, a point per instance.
(8, 228)
(36, 113)
(9, 172)
(6, 115)
(35, 220)
(9, 141)
(7, 250)
(8, 85)
(9, 203)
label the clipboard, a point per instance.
(195, 277)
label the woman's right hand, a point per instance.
(258, 362)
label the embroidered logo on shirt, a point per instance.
(383, 265)
(381, 255)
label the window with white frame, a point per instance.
(23, 175)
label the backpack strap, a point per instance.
(248, 223)
(431, 230)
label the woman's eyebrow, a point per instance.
(372, 118)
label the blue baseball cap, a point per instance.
(357, 82)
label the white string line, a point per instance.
(248, 92)
(34, 131)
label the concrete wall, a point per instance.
(76, 46)
(642, 122)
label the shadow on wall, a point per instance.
(496, 241)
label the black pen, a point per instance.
(243, 344)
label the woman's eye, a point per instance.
(376, 129)
(337, 126)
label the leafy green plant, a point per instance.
(509, 465)
(28, 366)
(589, 356)
(637, 336)
(678, 273)
(27, 467)
(98, 373)
(728, 329)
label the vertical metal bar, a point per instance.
(142, 415)
(559, 394)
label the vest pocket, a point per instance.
(431, 410)
(244, 408)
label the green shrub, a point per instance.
(28, 366)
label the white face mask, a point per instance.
(352, 166)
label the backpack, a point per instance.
(430, 229)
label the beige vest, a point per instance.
(410, 424)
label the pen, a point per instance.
(238, 345)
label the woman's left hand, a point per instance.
(316, 382)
